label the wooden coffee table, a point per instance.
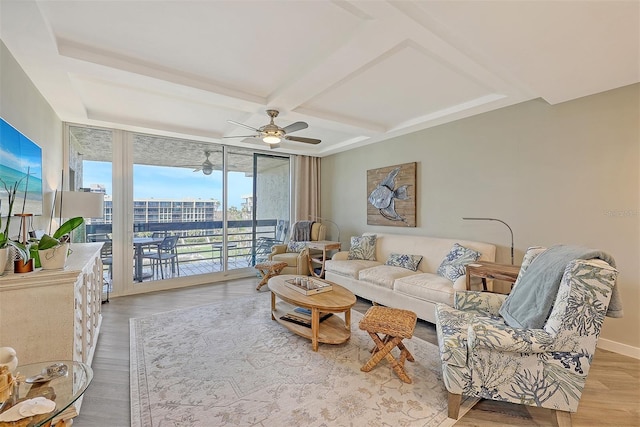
(333, 330)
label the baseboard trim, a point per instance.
(616, 347)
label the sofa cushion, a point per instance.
(315, 231)
(432, 249)
(291, 258)
(363, 247)
(383, 275)
(409, 262)
(349, 268)
(296, 247)
(454, 263)
(427, 287)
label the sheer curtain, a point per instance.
(306, 188)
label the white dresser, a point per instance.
(54, 314)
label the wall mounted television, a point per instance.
(19, 155)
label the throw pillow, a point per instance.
(453, 265)
(363, 247)
(409, 262)
(297, 247)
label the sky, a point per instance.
(159, 182)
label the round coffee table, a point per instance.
(333, 330)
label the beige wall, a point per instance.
(556, 174)
(24, 108)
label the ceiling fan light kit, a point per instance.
(272, 134)
(271, 139)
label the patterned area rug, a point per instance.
(229, 364)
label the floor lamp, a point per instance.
(499, 220)
(330, 222)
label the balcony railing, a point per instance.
(200, 244)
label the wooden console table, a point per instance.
(324, 246)
(54, 314)
(491, 270)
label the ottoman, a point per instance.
(395, 324)
(268, 269)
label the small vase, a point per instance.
(54, 258)
(19, 266)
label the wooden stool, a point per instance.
(396, 324)
(268, 269)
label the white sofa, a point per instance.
(418, 291)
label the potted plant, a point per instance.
(5, 241)
(53, 250)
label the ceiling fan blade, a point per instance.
(243, 125)
(242, 136)
(293, 127)
(301, 139)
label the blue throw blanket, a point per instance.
(530, 303)
(302, 231)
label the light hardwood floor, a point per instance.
(611, 396)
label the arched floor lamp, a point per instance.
(499, 220)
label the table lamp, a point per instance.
(70, 204)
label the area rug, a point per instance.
(229, 364)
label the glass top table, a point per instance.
(64, 390)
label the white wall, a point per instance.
(556, 174)
(22, 106)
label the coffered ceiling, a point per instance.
(357, 72)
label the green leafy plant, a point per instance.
(5, 241)
(61, 235)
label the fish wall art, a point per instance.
(391, 195)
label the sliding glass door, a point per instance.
(180, 208)
(256, 204)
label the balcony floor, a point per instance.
(190, 267)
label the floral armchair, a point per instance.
(484, 357)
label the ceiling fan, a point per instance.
(272, 134)
(206, 167)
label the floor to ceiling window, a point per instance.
(272, 192)
(189, 205)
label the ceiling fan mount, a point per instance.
(273, 134)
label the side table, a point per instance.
(491, 270)
(325, 246)
(64, 390)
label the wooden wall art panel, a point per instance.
(391, 195)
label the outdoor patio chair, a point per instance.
(106, 255)
(263, 249)
(166, 252)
